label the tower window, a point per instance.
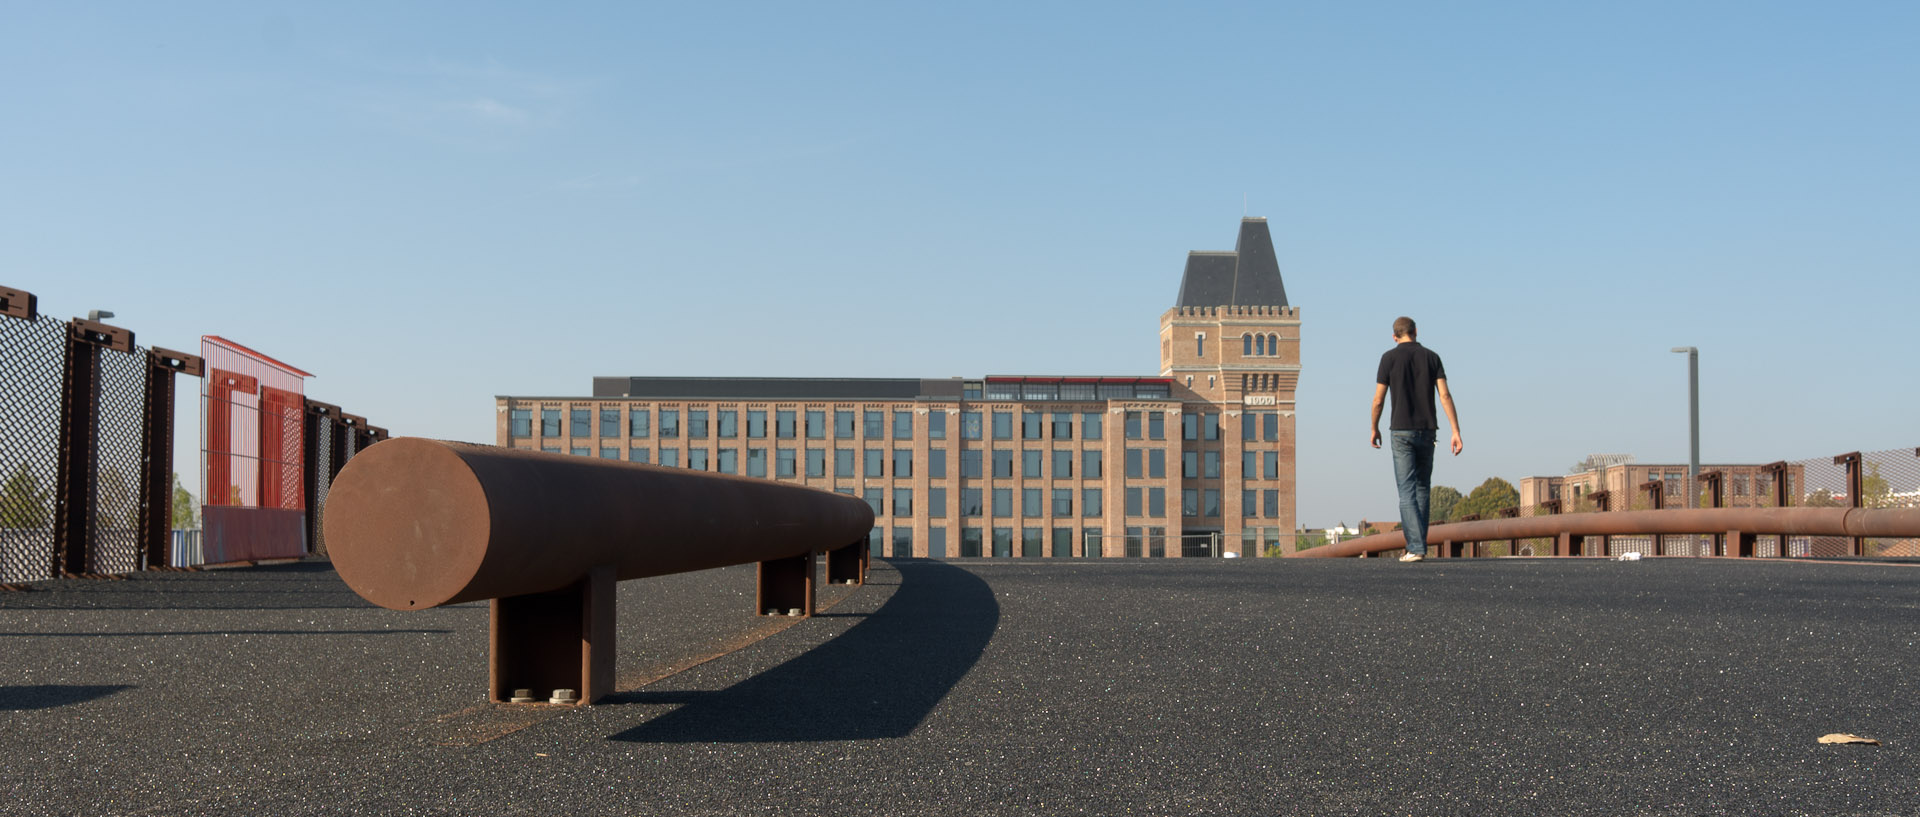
(1260, 345)
(1200, 344)
(1246, 344)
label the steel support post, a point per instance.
(75, 500)
(1856, 497)
(156, 501)
(557, 640)
(848, 564)
(783, 586)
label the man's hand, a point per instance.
(1376, 439)
(1456, 443)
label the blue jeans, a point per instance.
(1413, 472)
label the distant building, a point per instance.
(1195, 460)
(1742, 486)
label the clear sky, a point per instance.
(430, 204)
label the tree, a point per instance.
(1441, 502)
(183, 511)
(1488, 499)
(22, 503)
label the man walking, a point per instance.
(1412, 373)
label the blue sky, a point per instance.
(427, 205)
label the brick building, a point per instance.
(1197, 460)
(1742, 486)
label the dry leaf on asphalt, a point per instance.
(1842, 737)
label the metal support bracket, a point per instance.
(785, 585)
(558, 640)
(848, 564)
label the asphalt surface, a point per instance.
(1658, 687)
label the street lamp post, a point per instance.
(1693, 421)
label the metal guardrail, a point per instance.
(413, 524)
(1734, 529)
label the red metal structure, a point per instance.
(414, 523)
(1738, 525)
(254, 455)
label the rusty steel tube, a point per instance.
(414, 523)
(1877, 522)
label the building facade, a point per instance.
(1742, 486)
(1197, 460)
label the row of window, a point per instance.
(1010, 391)
(1059, 543)
(873, 424)
(1259, 345)
(1149, 463)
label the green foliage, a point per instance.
(23, 504)
(184, 515)
(1488, 499)
(1441, 503)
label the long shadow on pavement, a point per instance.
(879, 679)
(49, 696)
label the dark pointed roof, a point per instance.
(1248, 276)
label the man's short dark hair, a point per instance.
(1403, 327)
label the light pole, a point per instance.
(1693, 421)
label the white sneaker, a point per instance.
(1411, 557)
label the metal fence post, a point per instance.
(1856, 493)
(76, 499)
(1779, 473)
(156, 501)
(1716, 497)
(1656, 497)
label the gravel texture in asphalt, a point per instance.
(1359, 686)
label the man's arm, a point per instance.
(1446, 403)
(1380, 402)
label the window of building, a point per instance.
(1090, 464)
(1003, 391)
(1189, 464)
(816, 424)
(937, 425)
(1063, 463)
(549, 422)
(1003, 502)
(580, 422)
(843, 462)
(902, 542)
(1189, 502)
(1190, 426)
(520, 423)
(816, 462)
(1032, 544)
(729, 422)
(640, 455)
(696, 424)
(1063, 543)
(1030, 425)
(609, 422)
(1246, 344)
(903, 425)
(937, 503)
(1270, 504)
(1090, 424)
(970, 425)
(756, 462)
(550, 449)
(1210, 426)
(784, 462)
(843, 424)
(1270, 460)
(970, 390)
(874, 424)
(1090, 502)
(669, 424)
(1270, 426)
(1093, 545)
(1156, 463)
(875, 539)
(970, 502)
(1249, 427)
(1003, 425)
(875, 463)
(1210, 502)
(1156, 542)
(1002, 462)
(1078, 391)
(783, 424)
(1030, 464)
(937, 463)
(1040, 391)
(937, 542)
(902, 502)
(1156, 425)
(1136, 459)
(970, 465)
(1031, 503)
(876, 500)
(1156, 502)
(697, 459)
(638, 423)
(1063, 502)
(1133, 425)
(1003, 543)
(1210, 462)
(756, 425)
(582, 451)
(969, 542)
(1135, 535)
(1134, 503)
(1250, 503)
(670, 457)
(609, 453)
(902, 463)
(1260, 345)
(1200, 344)
(728, 461)
(1062, 426)
(1249, 464)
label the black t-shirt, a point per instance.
(1409, 370)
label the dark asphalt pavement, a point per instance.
(1161, 687)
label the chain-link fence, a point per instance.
(113, 526)
(31, 354)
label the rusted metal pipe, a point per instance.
(414, 523)
(1866, 522)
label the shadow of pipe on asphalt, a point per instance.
(879, 679)
(49, 696)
